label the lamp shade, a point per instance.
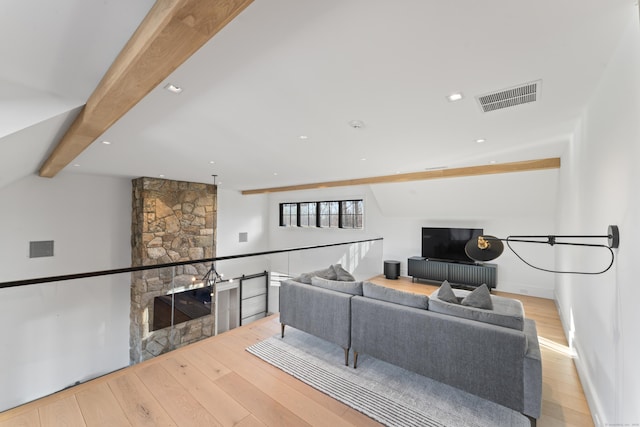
(484, 248)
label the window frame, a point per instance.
(353, 218)
(338, 214)
(288, 223)
(311, 219)
(332, 217)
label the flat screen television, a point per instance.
(447, 244)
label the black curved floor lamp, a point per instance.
(487, 248)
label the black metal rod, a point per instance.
(562, 237)
(240, 300)
(549, 240)
(522, 238)
(266, 284)
(566, 271)
(65, 277)
(554, 243)
(252, 276)
(552, 240)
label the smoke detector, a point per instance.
(510, 97)
(356, 124)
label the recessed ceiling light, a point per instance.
(363, 159)
(303, 137)
(211, 162)
(356, 124)
(106, 142)
(161, 175)
(76, 165)
(173, 88)
(480, 140)
(493, 162)
(455, 97)
(275, 174)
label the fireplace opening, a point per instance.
(187, 305)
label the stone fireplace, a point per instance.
(171, 221)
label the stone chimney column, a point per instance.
(171, 221)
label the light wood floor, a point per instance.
(215, 382)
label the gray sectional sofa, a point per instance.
(493, 353)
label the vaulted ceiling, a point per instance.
(269, 100)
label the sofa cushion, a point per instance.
(479, 298)
(384, 293)
(342, 274)
(445, 293)
(506, 312)
(327, 273)
(351, 287)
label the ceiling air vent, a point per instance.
(506, 98)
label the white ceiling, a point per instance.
(286, 68)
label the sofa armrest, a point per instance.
(532, 371)
(317, 311)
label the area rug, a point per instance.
(390, 395)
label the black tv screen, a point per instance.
(447, 244)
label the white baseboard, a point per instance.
(523, 289)
(583, 374)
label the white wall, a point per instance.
(56, 334)
(599, 186)
(241, 214)
(88, 218)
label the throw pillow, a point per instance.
(327, 273)
(479, 298)
(304, 278)
(445, 293)
(342, 274)
(353, 288)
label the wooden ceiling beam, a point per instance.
(523, 166)
(170, 33)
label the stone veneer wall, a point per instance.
(171, 221)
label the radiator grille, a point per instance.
(506, 98)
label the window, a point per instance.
(327, 214)
(307, 214)
(288, 214)
(351, 214)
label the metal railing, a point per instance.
(61, 278)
